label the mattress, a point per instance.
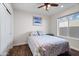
(46, 45)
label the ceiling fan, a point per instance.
(46, 5)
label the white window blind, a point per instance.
(69, 25)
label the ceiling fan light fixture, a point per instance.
(47, 6)
(62, 6)
(44, 7)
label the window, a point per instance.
(68, 25)
(63, 26)
(74, 25)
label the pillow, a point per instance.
(40, 33)
(34, 33)
(37, 33)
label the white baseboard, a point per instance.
(74, 48)
(19, 44)
(5, 52)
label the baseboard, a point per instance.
(74, 48)
(5, 52)
(19, 44)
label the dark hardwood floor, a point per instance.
(24, 50)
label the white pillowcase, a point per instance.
(34, 33)
(37, 33)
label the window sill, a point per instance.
(66, 37)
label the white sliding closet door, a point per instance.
(6, 27)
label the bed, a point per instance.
(45, 45)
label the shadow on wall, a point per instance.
(21, 39)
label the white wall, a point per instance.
(53, 24)
(6, 29)
(23, 23)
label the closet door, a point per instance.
(0, 27)
(5, 30)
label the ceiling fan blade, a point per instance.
(41, 6)
(54, 4)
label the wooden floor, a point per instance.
(24, 50)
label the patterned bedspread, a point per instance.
(48, 45)
(53, 50)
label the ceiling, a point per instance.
(33, 7)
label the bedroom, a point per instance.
(21, 25)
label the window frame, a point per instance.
(68, 35)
